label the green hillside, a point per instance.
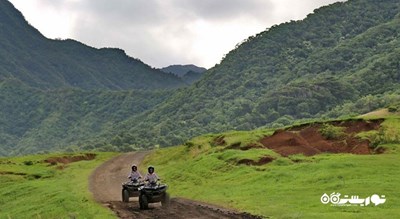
(28, 56)
(342, 60)
(59, 93)
(235, 170)
(181, 70)
(188, 73)
(341, 54)
(34, 120)
(40, 187)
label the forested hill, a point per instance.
(34, 120)
(58, 93)
(26, 55)
(182, 70)
(188, 73)
(342, 59)
(343, 54)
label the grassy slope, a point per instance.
(43, 191)
(282, 189)
(380, 113)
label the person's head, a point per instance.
(150, 169)
(134, 167)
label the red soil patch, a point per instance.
(307, 140)
(260, 162)
(69, 159)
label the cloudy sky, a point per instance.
(163, 32)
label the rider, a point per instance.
(151, 176)
(134, 175)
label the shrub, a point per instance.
(189, 144)
(28, 162)
(393, 109)
(332, 132)
(385, 135)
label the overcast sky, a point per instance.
(163, 32)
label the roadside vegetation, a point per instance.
(50, 186)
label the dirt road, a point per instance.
(105, 184)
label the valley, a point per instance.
(301, 120)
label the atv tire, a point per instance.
(143, 202)
(125, 195)
(165, 201)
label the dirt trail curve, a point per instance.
(105, 184)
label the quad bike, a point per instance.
(152, 193)
(131, 189)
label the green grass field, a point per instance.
(204, 171)
(31, 188)
(207, 169)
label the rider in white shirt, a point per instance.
(151, 176)
(134, 175)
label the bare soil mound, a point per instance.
(105, 184)
(308, 140)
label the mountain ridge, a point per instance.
(296, 70)
(50, 64)
(58, 93)
(188, 73)
(181, 70)
(341, 60)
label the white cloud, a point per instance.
(50, 22)
(163, 32)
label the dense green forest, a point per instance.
(25, 54)
(188, 73)
(34, 120)
(182, 70)
(57, 93)
(343, 59)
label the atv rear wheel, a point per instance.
(165, 201)
(125, 195)
(143, 202)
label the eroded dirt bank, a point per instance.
(308, 140)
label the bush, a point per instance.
(28, 162)
(332, 132)
(189, 144)
(393, 109)
(385, 135)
